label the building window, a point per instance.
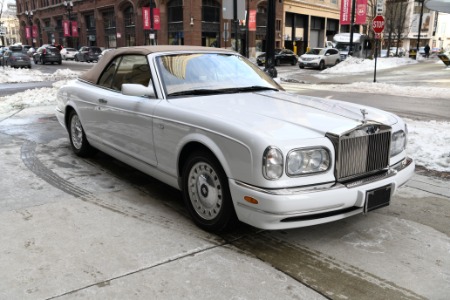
(130, 33)
(210, 11)
(109, 22)
(175, 11)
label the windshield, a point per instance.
(314, 51)
(342, 46)
(209, 73)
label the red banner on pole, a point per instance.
(345, 12)
(28, 32)
(156, 19)
(74, 25)
(361, 12)
(146, 18)
(252, 20)
(34, 31)
(66, 28)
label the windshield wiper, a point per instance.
(197, 92)
(222, 91)
(250, 89)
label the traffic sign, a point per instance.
(378, 24)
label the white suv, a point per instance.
(319, 58)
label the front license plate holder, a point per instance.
(378, 198)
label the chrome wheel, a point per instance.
(205, 191)
(76, 132)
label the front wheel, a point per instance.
(78, 141)
(322, 65)
(206, 193)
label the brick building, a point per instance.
(110, 23)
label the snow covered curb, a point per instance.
(11, 75)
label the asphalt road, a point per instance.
(96, 228)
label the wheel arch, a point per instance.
(222, 148)
(197, 146)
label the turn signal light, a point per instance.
(251, 200)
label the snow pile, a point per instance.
(361, 65)
(429, 144)
(386, 89)
(11, 75)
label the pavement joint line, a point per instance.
(170, 260)
(427, 191)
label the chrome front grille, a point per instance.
(362, 151)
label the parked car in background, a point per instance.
(68, 53)
(282, 56)
(211, 124)
(16, 59)
(88, 54)
(31, 52)
(25, 48)
(103, 52)
(422, 51)
(394, 52)
(2, 52)
(47, 54)
(319, 58)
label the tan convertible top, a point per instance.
(93, 74)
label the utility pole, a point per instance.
(352, 23)
(270, 39)
(420, 27)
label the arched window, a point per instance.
(210, 11)
(175, 9)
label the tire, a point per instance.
(75, 58)
(293, 62)
(206, 193)
(277, 62)
(42, 61)
(59, 62)
(337, 61)
(77, 136)
(321, 65)
(301, 66)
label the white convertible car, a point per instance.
(210, 123)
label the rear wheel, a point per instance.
(206, 193)
(42, 61)
(78, 141)
(277, 62)
(337, 61)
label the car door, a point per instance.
(124, 123)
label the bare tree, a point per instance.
(396, 15)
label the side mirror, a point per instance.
(132, 89)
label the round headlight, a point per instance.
(294, 162)
(272, 163)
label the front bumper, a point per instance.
(310, 63)
(300, 207)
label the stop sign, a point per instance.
(378, 24)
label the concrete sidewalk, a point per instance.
(68, 233)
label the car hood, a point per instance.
(278, 112)
(313, 56)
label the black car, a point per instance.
(47, 54)
(88, 54)
(282, 56)
(2, 52)
(16, 59)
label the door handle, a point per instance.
(102, 101)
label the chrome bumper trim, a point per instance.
(392, 171)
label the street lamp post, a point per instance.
(69, 8)
(30, 19)
(420, 27)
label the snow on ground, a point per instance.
(428, 142)
(361, 65)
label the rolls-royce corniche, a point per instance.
(209, 122)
